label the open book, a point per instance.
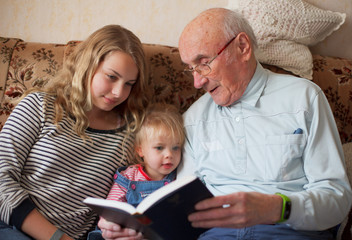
(161, 215)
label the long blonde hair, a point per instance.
(71, 86)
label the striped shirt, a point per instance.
(53, 167)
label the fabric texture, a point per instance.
(285, 28)
(132, 184)
(264, 232)
(345, 230)
(133, 173)
(8, 232)
(251, 146)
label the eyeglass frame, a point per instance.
(191, 70)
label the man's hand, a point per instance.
(237, 210)
(112, 231)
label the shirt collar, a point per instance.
(255, 87)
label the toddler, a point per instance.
(158, 147)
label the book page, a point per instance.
(111, 203)
(163, 191)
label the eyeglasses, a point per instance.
(204, 68)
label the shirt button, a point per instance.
(133, 186)
(241, 141)
(166, 183)
(237, 119)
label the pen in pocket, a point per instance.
(298, 131)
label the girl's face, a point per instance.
(161, 155)
(113, 80)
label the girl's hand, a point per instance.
(113, 231)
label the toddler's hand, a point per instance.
(113, 231)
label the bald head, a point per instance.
(216, 25)
(208, 22)
(207, 26)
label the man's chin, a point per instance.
(217, 99)
(222, 100)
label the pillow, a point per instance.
(285, 28)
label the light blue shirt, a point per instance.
(251, 146)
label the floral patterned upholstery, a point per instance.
(25, 64)
(334, 76)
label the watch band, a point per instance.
(286, 207)
(57, 235)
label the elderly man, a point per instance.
(265, 144)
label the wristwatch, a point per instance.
(286, 207)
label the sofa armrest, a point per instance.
(345, 230)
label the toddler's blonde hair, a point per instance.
(160, 119)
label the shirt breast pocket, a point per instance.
(284, 157)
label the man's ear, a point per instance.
(245, 46)
(138, 149)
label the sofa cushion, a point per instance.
(334, 76)
(345, 230)
(7, 47)
(167, 79)
(6, 50)
(31, 64)
(284, 29)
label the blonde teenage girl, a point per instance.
(64, 143)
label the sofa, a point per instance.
(26, 64)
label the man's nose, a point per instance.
(199, 80)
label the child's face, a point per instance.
(113, 80)
(161, 155)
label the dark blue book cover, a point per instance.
(163, 214)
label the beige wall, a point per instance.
(154, 21)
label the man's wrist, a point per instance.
(286, 208)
